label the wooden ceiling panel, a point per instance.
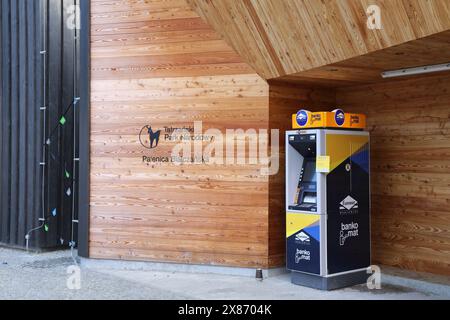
(367, 68)
(281, 38)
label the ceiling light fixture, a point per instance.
(416, 71)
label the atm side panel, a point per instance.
(348, 202)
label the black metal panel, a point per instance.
(1, 115)
(54, 114)
(33, 143)
(6, 125)
(14, 113)
(19, 126)
(84, 133)
(23, 79)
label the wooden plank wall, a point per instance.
(285, 100)
(409, 122)
(157, 63)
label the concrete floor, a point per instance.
(44, 276)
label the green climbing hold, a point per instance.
(46, 228)
(63, 120)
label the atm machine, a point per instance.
(328, 199)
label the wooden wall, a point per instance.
(409, 122)
(157, 63)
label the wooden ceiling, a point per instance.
(367, 68)
(281, 38)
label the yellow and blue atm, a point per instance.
(328, 199)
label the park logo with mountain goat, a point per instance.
(149, 137)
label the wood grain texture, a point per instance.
(434, 49)
(280, 38)
(157, 63)
(409, 123)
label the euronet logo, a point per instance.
(302, 237)
(349, 203)
(193, 146)
(349, 206)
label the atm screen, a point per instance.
(309, 174)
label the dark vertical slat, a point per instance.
(23, 126)
(38, 140)
(67, 130)
(1, 116)
(15, 90)
(6, 135)
(42, 208)
(43, 91)
(84, 138)
(39, 99)
(33, 106)
(55, 111)
(76, 132)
